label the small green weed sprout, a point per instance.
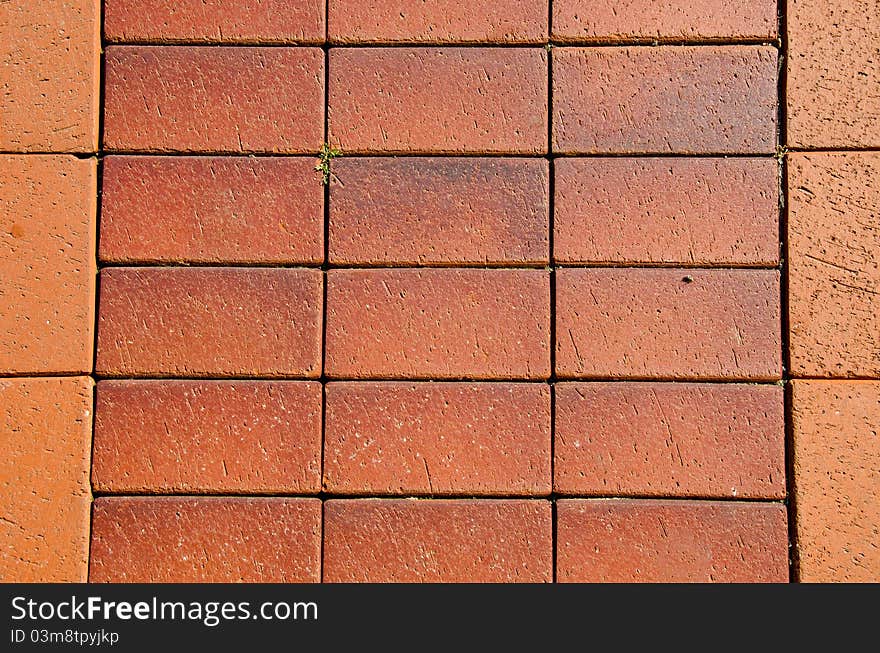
(325, 156)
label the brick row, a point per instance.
(175, 539)
(443, 211)
(433, 438)
(719, 100)
(415, 21)
(440, 323)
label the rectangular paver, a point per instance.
(211, 210)
(434, 100)
(670, 439)
(440, 324)
(671, 541)
(208, 99)
(443, 211)
(659, 323)
(437, 438)
(193, 437)
(47, 264)
(46, 427)
(688, 100)
(210, 322)
(205, 540)
(387, 540)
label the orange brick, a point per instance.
(215, 21)
(50, 53)
(389, 21)
(832, 71)
(689, 100)
(211, 210)
(437, 438)
(442, 210)
(658, 323)
(44, 476)
(836, 461)
(670, 439)
(649, 21)
(47, 264)
(207, 436)
(627, 541)
(205, 99)
(834, 268)
(440, 324)
(210, 322)
(407, 541)
(206, 540)
(434, 100)
(691, 211)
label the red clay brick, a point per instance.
(667, 210)
(437, 438)
(438, 324)
(446, 210)
(406, 541)
(391, 21)
(670, 439)
(833, 66)
(665, 20)
(834, 269)
(207, 436)
(836, 460)
(44, 477)
(215, 21)
(454, 100)
(199, 540)
(688, 100)
(210, 321)
(50, 53)
(204, 99)
(47, 267)
(671, 541)
(211, 210)
(653, 323)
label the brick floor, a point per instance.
(577, 273)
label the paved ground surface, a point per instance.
(593, 293)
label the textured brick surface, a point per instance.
(438, 324)
(836, 460)
(211, 210)
(667, 210)
(442, 210)
(388, 21)
(44, 478)
(215, 21)
(664, 20)
(833, 64)
(437, 438)
(660, 100)
(637, 323)
(671, 541)
(439, 100)
(381, 540)
(202, 99)
(50, 57)
(207, 436)
(209, 322)
(216, 540)
(47, 250)
(834, 273)
(670, 439)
